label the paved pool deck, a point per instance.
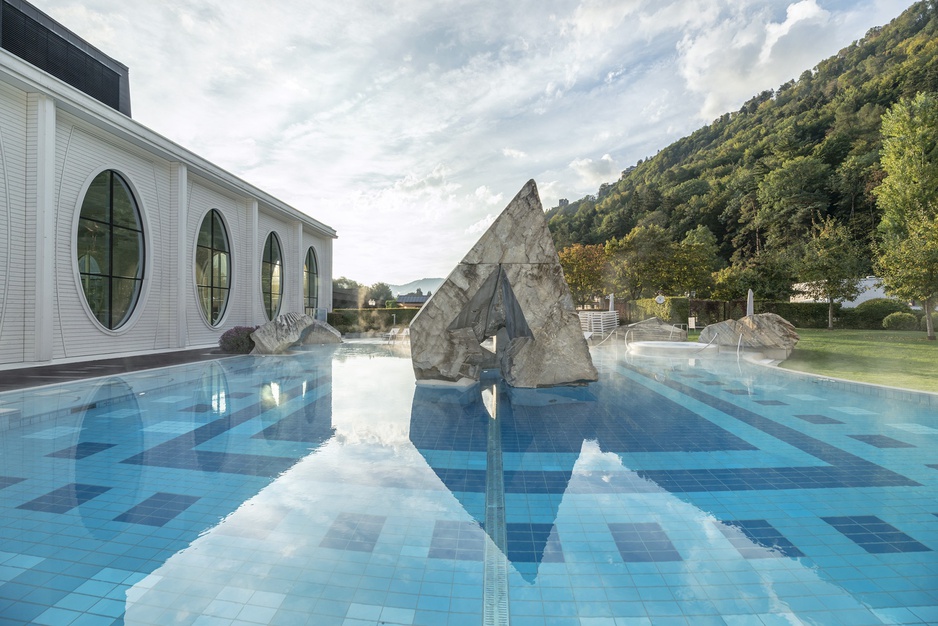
(35, 376)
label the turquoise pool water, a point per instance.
(324, 488)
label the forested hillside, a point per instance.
(760, 179)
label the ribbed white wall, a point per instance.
(13, 218)
(292, 284)
(204, 197)
(82, 153)
(167, 315)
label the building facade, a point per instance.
(113, 239)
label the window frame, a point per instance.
(211, 213)
(136, 302)
(311, 287)
(267, 296)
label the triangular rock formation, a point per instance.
(509, 286)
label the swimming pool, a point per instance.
(324, 488)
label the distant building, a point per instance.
(412, 301)
(115, 240)
(870, 288)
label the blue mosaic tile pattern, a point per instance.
(463, 541)
(158, 509)
(874, 535)
(759, 539)
(81, 450)
(64, 498)
(322, 488)
(818, 419)
(533, 543)
(881, 441)
(354, 531)
(6, 481)
(643, 542)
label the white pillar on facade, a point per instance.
(299, 281)
(254, 266)
(43, 148)
(180, 202)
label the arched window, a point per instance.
(311, 283)
(272, 276)
(213, 267)
(110, 249)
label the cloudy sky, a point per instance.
(407, 125)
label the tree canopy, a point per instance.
(760, 178)
(907, 251)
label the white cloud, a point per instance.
(798, 14)
(384, 120)
(513, 154)
(594, 173)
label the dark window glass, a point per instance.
(272, 276)
(212, 267)
(311, 283)
(110, 249)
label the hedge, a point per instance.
(673, 310)
(869, 315)
(800, 314)
(676, 311)
(363, 320)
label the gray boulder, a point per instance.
(288, 329)
(509, 286)
(320, 333)
(768, 333)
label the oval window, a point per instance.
(213, 267)
(272, 276)
(110, 249)
(311, 283)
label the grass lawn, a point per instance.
(896, 358)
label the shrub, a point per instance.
(900, 321)
(237, 340)
(800, 314)
(922, 323)
(870, 314)
(363, 320)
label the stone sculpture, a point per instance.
(509, 286)
(277, 335)
(768, 333)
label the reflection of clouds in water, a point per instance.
(702, 540)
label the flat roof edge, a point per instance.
(29, 78)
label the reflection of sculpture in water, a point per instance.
(509, 286)
(494, 419)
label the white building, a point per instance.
(870, 288)
(113, 239)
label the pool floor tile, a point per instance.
(643, 542)
(64, 498)
(354, 531)
(874, 535)
(81, 450)
(881, 441)
(158, 509)
(760, 539)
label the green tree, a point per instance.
(792, 197)
(907, 250)
(345, 283)
(380, 293)
(639, 261)
(584, 267)
(832, 265)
